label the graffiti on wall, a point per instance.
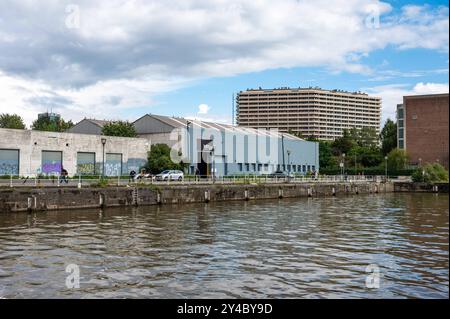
(9, 168)
(51, 168)
(86, 169)
(113, 168)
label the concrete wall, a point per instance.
(32, 143)
(19, 200)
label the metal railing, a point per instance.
(102, 181)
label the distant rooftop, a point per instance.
(311, 88)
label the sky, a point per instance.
(121, 59)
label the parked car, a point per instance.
(280, 174)
(170, 175)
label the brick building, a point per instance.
(423, 128)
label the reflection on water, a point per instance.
(303, 248)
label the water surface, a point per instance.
(302, 248)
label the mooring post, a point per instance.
(246, 194)
(11, 181)
(333, 191)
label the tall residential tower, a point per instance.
(323, 114)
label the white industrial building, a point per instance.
(30, 153)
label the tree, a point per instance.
(397, 159)
(343, 144)
(388, 137)
(45, 123)
(119, 128)
(430, 173)
(159, 159)
(326, 158)
(12, 121)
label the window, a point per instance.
(309, 168)
(254, 167)
(52, 162)
(401, 144)
(247, 167)
(240, 167)
(314, 168)
(304, 168)
(400, 133)
(86, 163)
(9, 162)
(113, 164)
(259, 167)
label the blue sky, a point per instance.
(121, 59)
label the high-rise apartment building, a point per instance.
(323, 114)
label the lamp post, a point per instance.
(103, 154)
(343, 165)
(188, 123)
(213, 165)
(289, 159)
(386, 167)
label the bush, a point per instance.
(430, 173)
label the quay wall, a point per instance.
(54, 198)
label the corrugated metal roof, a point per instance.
(177, 122)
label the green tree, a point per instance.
(430, 173)
(343, 144)
(388, 137)
(119, 128)
(397, 159)
(326, 158)
(49, 125)
(159, 159)
(13, 121)
(366, 156)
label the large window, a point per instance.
(113, 164)
(51, 162)
(9, 162)
(86, 163)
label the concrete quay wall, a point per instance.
(54, 198)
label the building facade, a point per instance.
(31, 153)
(323, 114)
(221, 150)
(88, 126)
(423, 128)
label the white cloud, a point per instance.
(126, 52)
(392, 95)
(203, 109)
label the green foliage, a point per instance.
(430, 173)
(12, 121)
(159, 160)
(388, 137)
(49, 125)
(102, 183)
(119, 128)
(343, 144)
(326, 158)
(397, 159)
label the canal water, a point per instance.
(375, 246)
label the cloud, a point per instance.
(124, 53)
(392, 95)
(203, 109)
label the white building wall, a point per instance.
(32, 143)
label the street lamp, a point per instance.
(103, 152)
(343, 165)
(188, 142)
(289, 161)
(386, 167)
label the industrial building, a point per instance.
(31, 153)
(219, 149)
(423, 129)
(323, 114)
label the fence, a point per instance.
(102, 181)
